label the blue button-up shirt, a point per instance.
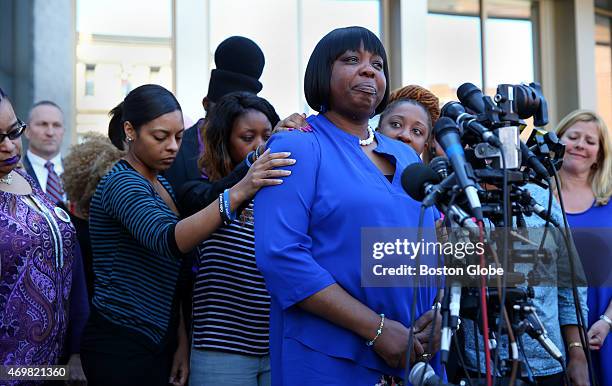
(307, 236)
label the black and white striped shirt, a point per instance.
(137, 264)
(231, 305)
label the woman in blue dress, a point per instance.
(586, 186)
(326, 328)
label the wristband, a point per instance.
(227, 205)
(257, 153)
(378, 332)
(227, 216)
(250, 159)
(224, 218)
(605, 318)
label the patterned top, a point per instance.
(136, 262)
(231, 305)
(37, 252)
(592, 232)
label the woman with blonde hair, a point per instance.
(586, 187)
(84, 167)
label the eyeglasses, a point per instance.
(15, 133)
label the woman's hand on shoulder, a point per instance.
(292, 122)
(263, 172)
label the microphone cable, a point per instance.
(485, 316)
(548, 214)
(415, 289)
(505, 208)
(462, 360)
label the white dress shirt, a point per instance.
(38, 164)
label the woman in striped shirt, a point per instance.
(231, 305)
(135, 334)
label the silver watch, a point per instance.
(605, 318)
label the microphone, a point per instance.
(532, 161)
(536, 330)
(447, 135)
(423, 184)
(461, 218)
(468, 122)
(542, 213)
(452, 322)
(429, 378)
(440, 165)
(471, 96)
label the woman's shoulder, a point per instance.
(122, 176)
(298, 143)
(33, 183)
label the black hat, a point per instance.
(239, 63)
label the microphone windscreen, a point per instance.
(442, 127)
(471, 96)
(414, 178)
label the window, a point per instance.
(90, 79)
(454, 45)
(115, 54)
(287, 31)
(603, 67)
(453, 54)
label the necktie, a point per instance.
(54, 185)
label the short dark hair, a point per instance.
(216, 160)
(327, 50)
(46, 103)
(43, 103)
(142, 105)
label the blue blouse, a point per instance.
(592, 232)
(308, 230)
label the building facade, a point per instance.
(86, 55)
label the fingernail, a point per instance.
(292, 161)
(287, 154)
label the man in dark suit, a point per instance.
(239, 63)
(43, 159)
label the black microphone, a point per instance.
(530, 160)
(542, 213)
(429, 378)
(440, 165)
(471, 96)
(423, 184)
(447, 135)
(468, 122)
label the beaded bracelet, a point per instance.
(378, 332)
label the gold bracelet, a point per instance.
(574, 344)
